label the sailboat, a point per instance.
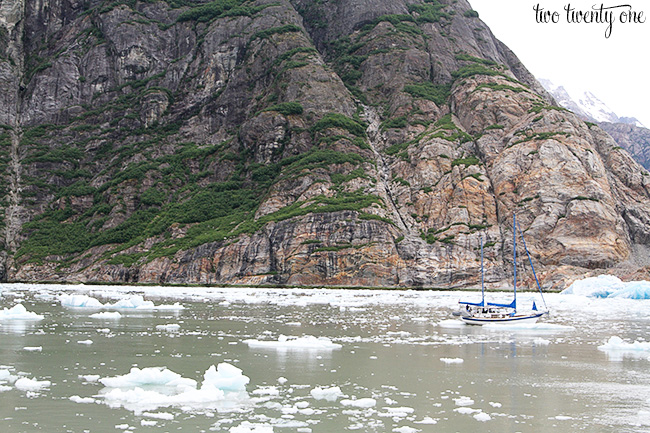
(481, 313)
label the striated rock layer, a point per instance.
(340, 143)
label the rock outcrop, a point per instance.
(339, 143)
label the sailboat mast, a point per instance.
(514, 255)
(482, 278)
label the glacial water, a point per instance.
(314, 361)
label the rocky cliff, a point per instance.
(632, 138)
(315, 142)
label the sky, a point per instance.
(616, 69)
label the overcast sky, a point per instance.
(614, 69)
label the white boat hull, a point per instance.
(519, 318)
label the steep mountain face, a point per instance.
(342, 142)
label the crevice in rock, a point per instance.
(374, 137)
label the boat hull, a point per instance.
(520, 318)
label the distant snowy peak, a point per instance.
(585, 104)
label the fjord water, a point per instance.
(399, 361)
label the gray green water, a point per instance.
(424, 373)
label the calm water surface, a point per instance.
(424, 372)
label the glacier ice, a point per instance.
(19, 312)
(154, 387)
(307, 342)
(609, 286)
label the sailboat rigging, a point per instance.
(481, 313)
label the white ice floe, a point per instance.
(617, 349)
(106, 315)
(427, 420)
(90, 377)
(284, 342)
(159, 415)
(131, 302)
(397, 412)
(33, 348)
(452, 360)
(86, 342)
(361, 402)
(451, 323)
(329, 394)
(82, 400)
(482, 416)
(248, 427)
(170, 327)
(150, 376)
(463, 401)
(154, 387)
(467, 410)
(27, 384)
(19, 312)
(609, 286)
(405, 429)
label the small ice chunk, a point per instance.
(482, 416)
(284, 342)
(542, 341)
(19, 312)
(26, 384)
(248, 427)
(361, 402)
(405, 429)
(267, 390)
(159, 415)
(90, 377)
(563, 418)
(122, 426)
(86, 342)
(427, 420)
(106, 315)
(452, 360)
(495, 404)
(463, 401)
(329, 394)
(282, 380)
(466, 410)
(84, 400)
(148, 423)
(33, 348)
(169, 327)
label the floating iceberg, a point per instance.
(106, 315)
(19, 312)
(307, 342)
(361, 402)
(329, 394)
(609, 286)
(79, 301)
(134, 302)
(26, 384)
(154, 387)
(150, 376)
(617, 349)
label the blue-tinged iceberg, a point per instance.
(609, 286)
